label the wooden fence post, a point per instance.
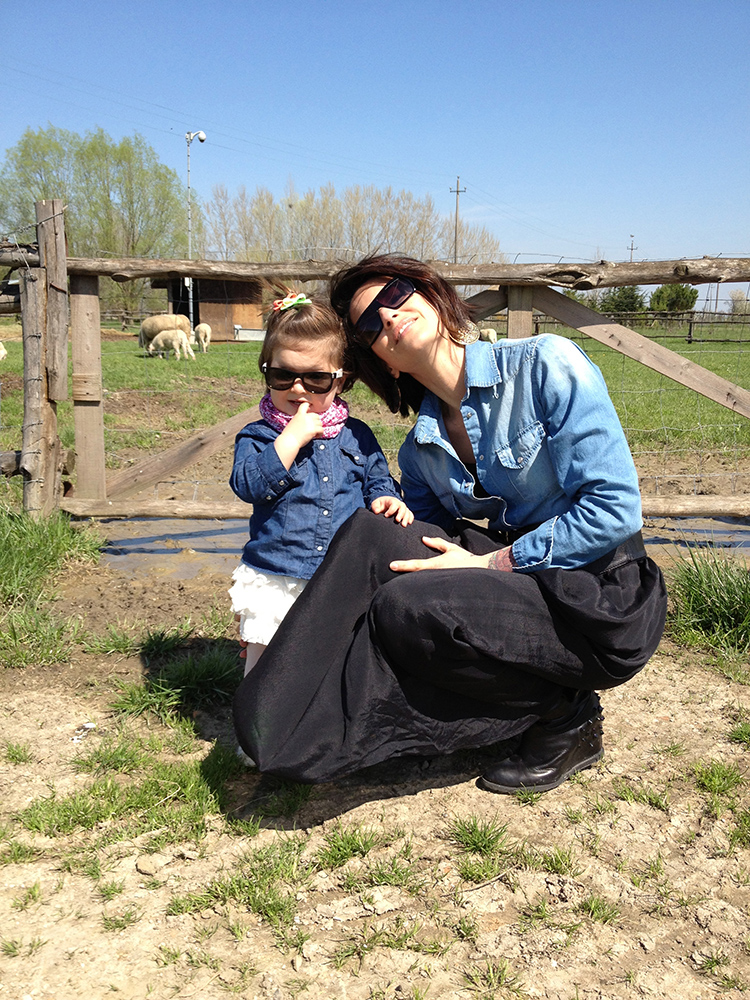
(88, 416)
(50, 234)
(520, 312)
(40, 449)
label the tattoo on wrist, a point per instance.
(501, 560)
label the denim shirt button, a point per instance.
(322, 447)
(320, 548)
(282, 482)
(325, 513)
(325, 479)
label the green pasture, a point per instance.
(151, 403)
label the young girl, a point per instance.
(305, 467)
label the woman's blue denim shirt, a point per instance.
(296, 512)
(549, 451)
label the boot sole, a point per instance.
(491, 786)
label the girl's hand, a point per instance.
(452, 556)
(304, 425)
(300, 430)
(392, 507)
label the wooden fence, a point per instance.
(44, 271)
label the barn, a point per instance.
(222, 304)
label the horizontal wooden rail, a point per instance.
(206, 510)
(598, 274)
(653, 506)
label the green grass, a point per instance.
(116, 639)
(598, 909)
(740, 733)
(711, 601)
(174, 799)
(642, 794)
(18, 753)
(181, 679)
(478, 836)
(265, 882)
(717, 778)
(345, 843)
(32, 553)
(31, 637)
(493, 979)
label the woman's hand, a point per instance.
(392, 507)
(452, 556)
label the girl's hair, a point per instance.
(404, 393)
(315, 323)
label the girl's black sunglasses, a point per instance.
(315, 382)
(369, 325)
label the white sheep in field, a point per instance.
(156, 324)
(3, 352)
(171, 340)
(488, 334)
(203, 335)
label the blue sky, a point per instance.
(572, 125)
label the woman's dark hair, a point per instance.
(404, 393)
(313, 323)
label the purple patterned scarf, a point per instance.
(333, 418)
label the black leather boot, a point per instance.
(569, 739)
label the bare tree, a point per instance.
(323, 225)
(221, 223)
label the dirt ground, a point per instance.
(664, 859)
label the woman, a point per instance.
(446, 635)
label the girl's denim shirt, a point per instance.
(296, 512)
(551, 455)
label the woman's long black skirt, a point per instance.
(370, 664)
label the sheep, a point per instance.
(155, 324)
(488, 334)
(203, 335)
(3, 352)
(173, 340)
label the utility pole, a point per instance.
(457, 192)
(632, 247)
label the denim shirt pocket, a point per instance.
(520, 460)
(354, 465)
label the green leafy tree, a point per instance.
(588, 298)
(622, 300)
(120, 199)
(673, 298)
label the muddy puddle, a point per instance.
(182, 548)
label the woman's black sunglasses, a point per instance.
(370, 325)
(315, 382)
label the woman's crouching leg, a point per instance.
(490, 637)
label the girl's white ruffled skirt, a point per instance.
(262, 601)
